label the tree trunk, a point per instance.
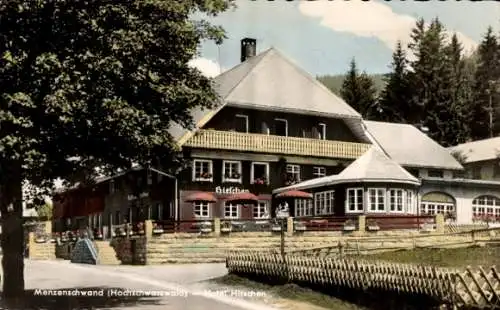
(12, 241)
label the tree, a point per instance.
(395, 100)
(92, 83)
(487, 73)
(359, 91)
(45, 211)
(432, 82)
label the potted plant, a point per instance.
(236, 175)
(205, 175)
(349, 225)
(40, 238)
(226, 227)
(98, 234)
(260, 181)
(55, 237)
(120, 231)
(140, 228)
(64, 237)
(157, 229)
(299, 226)
(372, 225)
(206, 227)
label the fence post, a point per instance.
(439, 218)
(148, 228)
(361, 224)
(217, 226)
(289, 226)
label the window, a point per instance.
(117, 218)
(231, 211)
(231, 171)
(281, 127)
(202, 170)
(241, 123)
(259, 173)
(410, 202)
(201, 209)
(354, 200)
(319, 172)
(486, 208)
(260, 211)
(396, 200)
(156, 213)
(322, 131)
(376, 199)
(433, 208)
(303, 207)
(293, 173)
(323, 202)
(435, 173)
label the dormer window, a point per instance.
(202, 170)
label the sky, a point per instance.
(323, 36)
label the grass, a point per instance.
(288, 291)
(347, 299)
(457, 258)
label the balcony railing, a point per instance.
(260, 143)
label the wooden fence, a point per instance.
(469, 288)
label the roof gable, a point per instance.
(269, 81)
(408, 146)
(275, 82)
(374, 165)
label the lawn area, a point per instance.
(457, 258)
(291, 295)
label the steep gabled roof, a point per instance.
(372, 166)
(408, 146)
(480, 150)
(272, 82)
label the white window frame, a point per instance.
(395, 206)
(410, 202)
(481, 204)
(231, 180)
(286, 124)
(377, 196)
(318, 174)
(359, 200)
(318, 208)
(257, 210)
(293, 170)
(246, 120)
(204, 209)
(322, 127)
(231, 205)
(210, 168)
(304, 207)
(252, 171)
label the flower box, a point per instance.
(276, 228)
(226, 227)
(157, 231)
(40, 240)
(372, 225)
(349, 226)
(299, 226)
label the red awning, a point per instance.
(243, 198)
(201, 196)
(295, 194)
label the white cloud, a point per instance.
(208, 67)
(368, 19)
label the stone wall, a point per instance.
(124, 248)
(193, 248)
(40, 250)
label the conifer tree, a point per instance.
(359, 91)
(485, 90)
(395, 100)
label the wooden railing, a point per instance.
(337, 223)
(391, 222)
(260, 143)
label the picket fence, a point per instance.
(461, 288)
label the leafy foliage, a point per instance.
(86, 84)
(45, 211)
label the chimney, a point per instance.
(248, 48)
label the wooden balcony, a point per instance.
(269, 144)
